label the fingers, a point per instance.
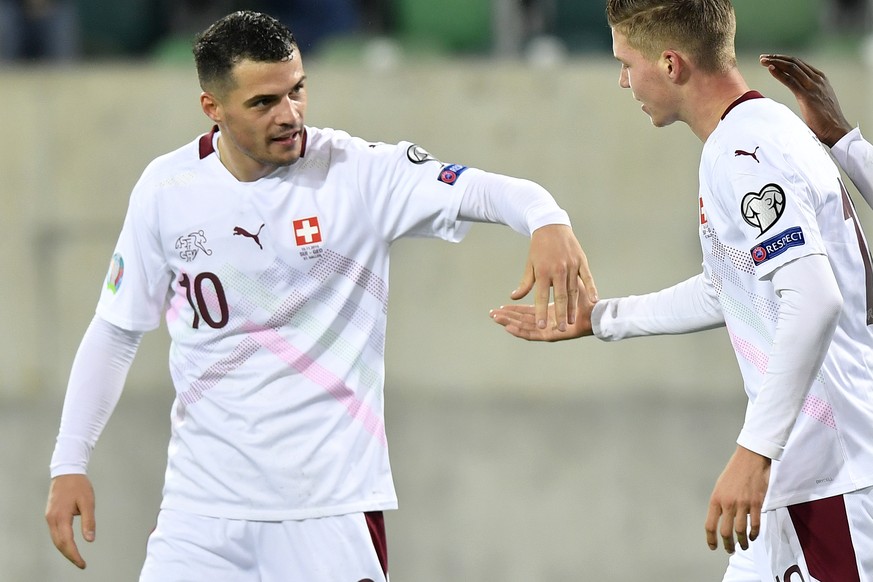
(587, 279)
(69, 496)
(61, 530)
(711, 525)
(560, 285)
(518, 320)
(542, 295)
(754, 525)
(526, 283)
(739, 528)
(786, 71)
(89, 523)
(793, 72)
(734, 529)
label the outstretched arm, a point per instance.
(689, 306)
(96, 381)
(556, 263)
(815, 96)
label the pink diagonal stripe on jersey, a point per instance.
(217, 371)
(752, 354)
(820, 410)
(319, 375)
(813, 406)
(272, 341)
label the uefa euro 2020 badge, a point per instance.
(116, 273)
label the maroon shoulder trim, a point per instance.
(747, 96)
(303, 145)
(206, 140)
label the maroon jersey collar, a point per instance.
(747, 96)
(208, 139)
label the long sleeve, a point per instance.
(520, 204)
(809, 308)
(691, 305)
(854, 154)
(96, 381)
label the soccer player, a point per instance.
(821, 110)
(265, 244)
(787, 270)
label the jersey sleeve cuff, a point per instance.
(840, 150)
(71, 456)
(597, 315)
(761, 446)
(547, 216)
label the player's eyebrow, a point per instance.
(273, 96)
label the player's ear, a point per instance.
(673, 65)
(211, 106)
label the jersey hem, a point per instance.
(224, 512)
(832, 491)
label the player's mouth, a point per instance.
(289, 138)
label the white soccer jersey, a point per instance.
(770, 194)
(275, 295)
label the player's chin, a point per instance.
(285, 157)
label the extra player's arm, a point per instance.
(855, 156)
(809, 308)
(96, 381)
(556, 261)
(817, 100)
(821, 111)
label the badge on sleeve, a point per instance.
(775, 246)
(449, 174)
(762, 209)
(116, 273)
(418, 155)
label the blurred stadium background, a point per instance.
(513, 461)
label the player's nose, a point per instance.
(290, 112)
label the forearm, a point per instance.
(96, 381)
(854, 154)
(520, 204)
(689, 306)
(809, 308)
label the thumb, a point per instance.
(526, 284)
(89, 522)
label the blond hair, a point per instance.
(704, 29)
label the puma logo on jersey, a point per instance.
(238, 230)
(752, 154)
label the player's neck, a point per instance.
(708, 99)
(243, 170)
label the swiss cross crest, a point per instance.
(307, 231)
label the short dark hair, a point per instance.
(704, 28)
(239, 36)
